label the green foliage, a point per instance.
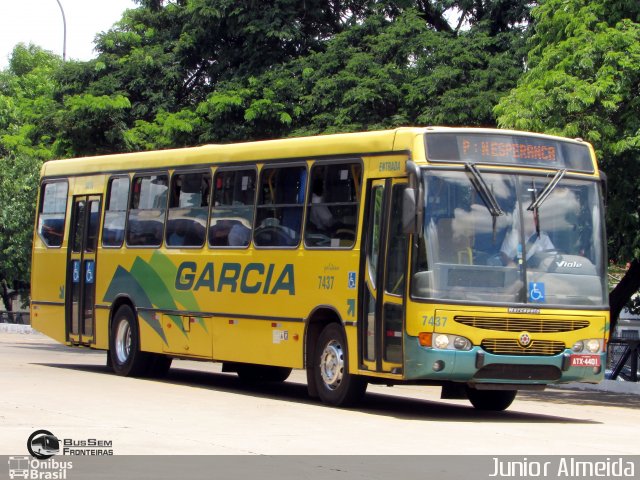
(91, 125)
(583, 82)
(18, 190)
(26, 103)
(168, 130)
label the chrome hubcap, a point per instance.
(123, 342)
(332, 365)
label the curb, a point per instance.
(17, 328)
(608, 386)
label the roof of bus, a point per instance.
(399, 139)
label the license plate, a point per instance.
(585, 360)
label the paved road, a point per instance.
(199, 410)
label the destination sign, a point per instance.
(507, 149)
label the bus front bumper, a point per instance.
(479, 366)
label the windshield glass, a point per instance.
(517, 239)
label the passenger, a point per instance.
(239, 235)
(537, 242)
(320, 215)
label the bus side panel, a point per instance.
(102, 329)
(258, 341)
(49, 267)
(188, 335)
(50, 320)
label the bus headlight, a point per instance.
(462, 343)
(593, 345)
(589, 345)
(443, 341)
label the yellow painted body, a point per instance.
(247, 320)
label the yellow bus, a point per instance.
(471, 259)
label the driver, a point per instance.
(537, 242)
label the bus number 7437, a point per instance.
(325, 282)
(435, 321)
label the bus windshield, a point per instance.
(510, 238)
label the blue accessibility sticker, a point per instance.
(536, 292)
(90, 273)
(352, 279)
(76, 271)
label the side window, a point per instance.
(333, 205)
(232, 211)
(115, 213)
(146, 211)
(188, 209)
(397, 251)
(280, 206)
(376, 233)
(53, 207)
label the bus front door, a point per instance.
(81, 269)
(381, 324)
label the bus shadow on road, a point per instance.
(373, 403)
(585, 397)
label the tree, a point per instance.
(392, 68)
(18, 190)
(27, 137)
(27, 104)
(199, 71)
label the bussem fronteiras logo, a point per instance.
(43, 444)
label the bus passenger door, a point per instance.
(381, 324)
(81, 269)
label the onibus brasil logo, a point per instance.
(42, 445)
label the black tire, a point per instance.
(491, 400)
(335, 385)
(250, 373)
(124, 345)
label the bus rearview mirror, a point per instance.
(409, 211)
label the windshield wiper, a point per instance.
(483, 189)
(539, 199)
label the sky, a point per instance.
(40, 22)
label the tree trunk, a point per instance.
(622, 293)
(6, 296)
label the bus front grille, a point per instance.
(532, 325)
(508, 346)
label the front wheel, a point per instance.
(491, 400)
(124, 345)
(335, 385)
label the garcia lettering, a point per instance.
(228, 277)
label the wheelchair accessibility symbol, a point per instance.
(536, 292)
(90, 272)
(352, 280)
(76, 271)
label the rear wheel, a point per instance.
(491, 400)
(124, 345)
(335, 385)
